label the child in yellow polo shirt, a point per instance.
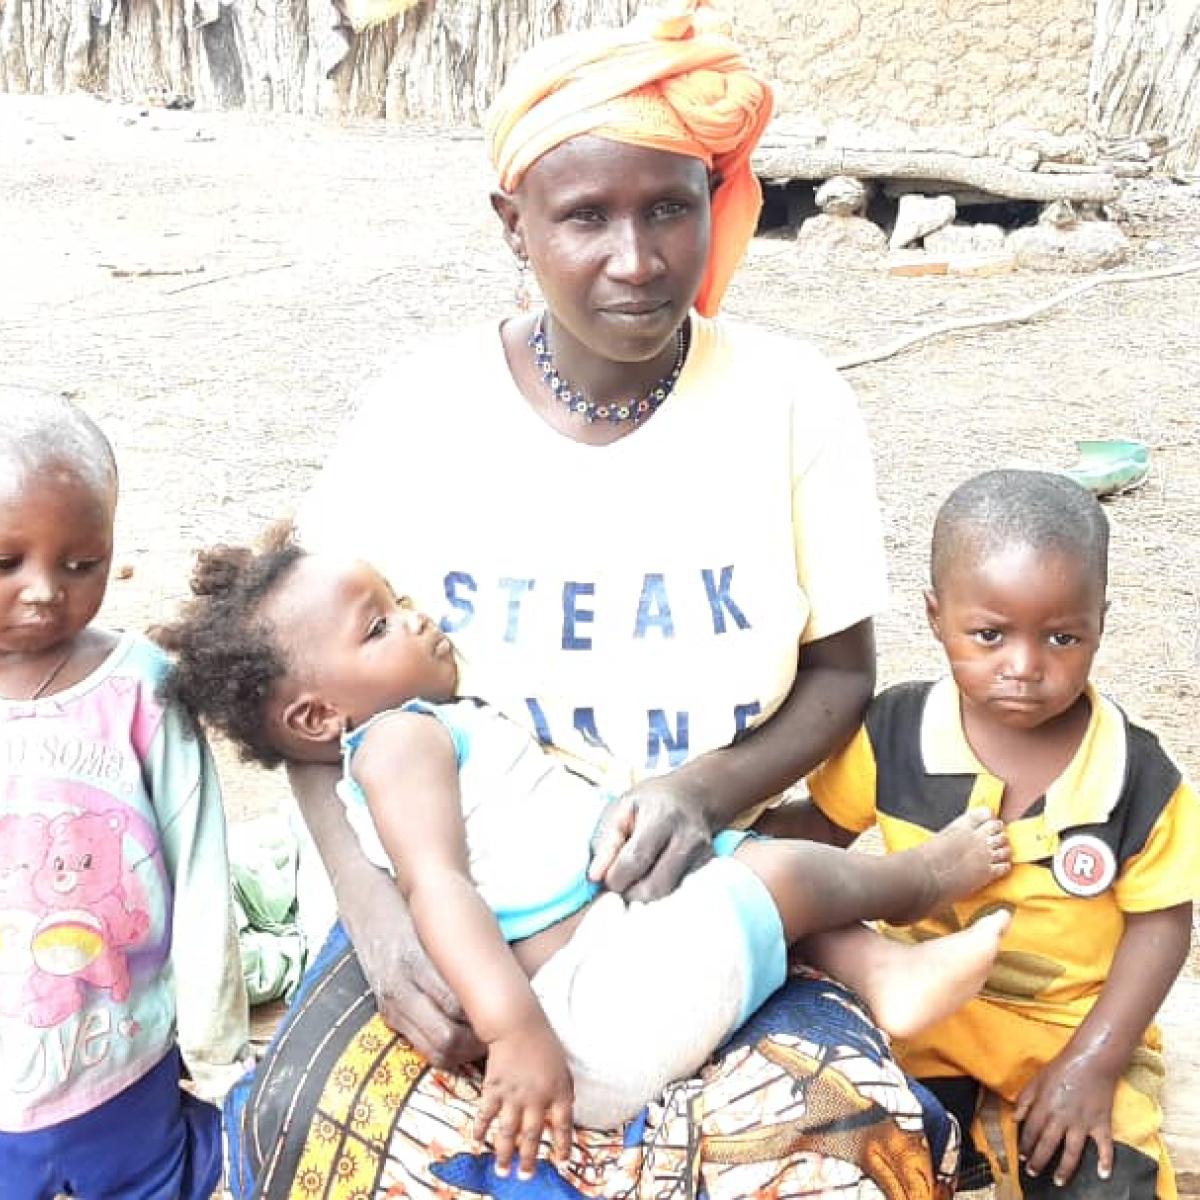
(1105, 838)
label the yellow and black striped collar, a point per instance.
(1084, 794)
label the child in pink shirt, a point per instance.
(117, 944)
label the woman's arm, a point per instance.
(835, 679)
(803, 820)
(1070, 1099)
(661, 829)
(412, 997)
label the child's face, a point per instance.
(360, 650)
(56, 532)
(1020, 629)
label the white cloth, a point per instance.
(643, 994)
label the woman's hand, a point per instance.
(649, 839)
(660, 830)
(1067, 1102)
(527, 1088)
(411, 995)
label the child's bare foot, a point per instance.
(915, 986)
(967, 855)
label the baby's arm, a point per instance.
(407, 767)
(410, 994)
(1071, 1098)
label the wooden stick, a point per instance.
(1015, 316)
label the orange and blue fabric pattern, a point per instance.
(341, 1108)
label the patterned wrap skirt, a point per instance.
(804, 1100)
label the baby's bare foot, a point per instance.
(924, 983)
(970, 853)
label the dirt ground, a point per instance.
(214, 288)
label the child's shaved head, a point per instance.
(1038, 509)
(37, 430)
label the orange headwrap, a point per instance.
(672, 80)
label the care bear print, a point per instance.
(72, 907)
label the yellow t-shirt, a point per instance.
(638, 603)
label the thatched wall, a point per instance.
(956, 69)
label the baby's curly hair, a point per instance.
(227, 658)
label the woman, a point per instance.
(664, 557)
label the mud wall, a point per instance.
(927, 63)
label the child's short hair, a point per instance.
(1038, 509)
(37, 429)
(227, 656)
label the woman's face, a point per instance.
(618, 238)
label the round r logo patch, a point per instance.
(1084, 865)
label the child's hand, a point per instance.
(1067, 1102)
(526, 1089)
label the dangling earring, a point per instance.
(523, 294)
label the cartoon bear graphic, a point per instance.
(85, 923)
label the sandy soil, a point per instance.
(214, 287)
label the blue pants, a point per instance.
(152, 1141)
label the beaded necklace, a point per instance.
(616, 412)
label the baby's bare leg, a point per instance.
(909, 987)
(817, 888)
